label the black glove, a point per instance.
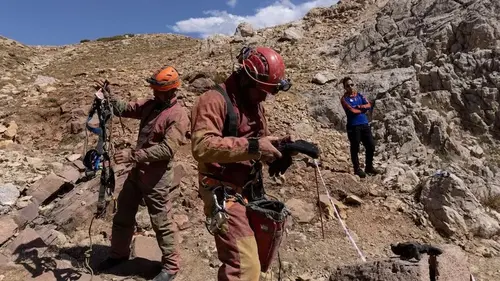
(279, 166)
(409, 250)
(102, 85)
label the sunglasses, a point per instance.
(350, 84)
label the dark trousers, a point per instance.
(159, 202)
(361, 134)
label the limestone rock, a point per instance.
(401, 176)
(8, 194)
(244, 29)
(386, 270)
(302, 211)
(454, 210)
(292, 34)
(42, 80)
(322, 78)
(452, 265)
(11, 131)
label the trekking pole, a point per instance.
(319, 205)
(337, 213)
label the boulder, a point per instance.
(454, 210)
(292, 34)
(452, 265)
(244, 29)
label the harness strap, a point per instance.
(231, 121)
(95, 157)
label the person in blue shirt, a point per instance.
(358, 129)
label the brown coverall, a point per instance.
(227, 159)
(162, 131)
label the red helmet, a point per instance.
(266, 67)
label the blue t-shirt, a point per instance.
(349, 103)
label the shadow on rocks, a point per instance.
(138, 267)
(33, 257)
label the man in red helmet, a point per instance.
(163, 129)
(230, 151)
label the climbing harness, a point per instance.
(98, 159)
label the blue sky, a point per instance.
(58, 22)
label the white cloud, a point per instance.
(232, 3)
(222, 22)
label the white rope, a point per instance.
(338, 215)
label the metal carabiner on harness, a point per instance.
(219, 215)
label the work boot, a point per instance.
(360, 173)
(164, 276)
(371, 171)
(110, 263)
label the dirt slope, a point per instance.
(432, 66)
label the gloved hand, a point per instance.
(102, 84)
(268, 150)
(280, 165)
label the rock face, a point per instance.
(380, 270)
(452, 265)
(447, 70)
(431, 70)
(453, 209)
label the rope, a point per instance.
(337, 213)
(88, 253)
(108, 147)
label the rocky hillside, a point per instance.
(432, 67)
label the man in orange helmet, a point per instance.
(230, 140)
(163, 129)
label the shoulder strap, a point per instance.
(230, 122)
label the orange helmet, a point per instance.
(165, 79)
